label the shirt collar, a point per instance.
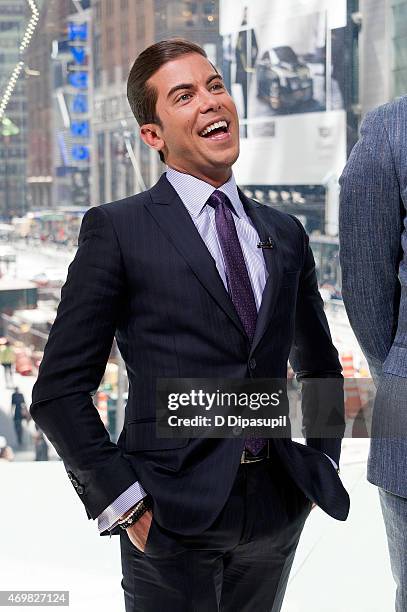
(194, 192)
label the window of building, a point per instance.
(109, 7)
(125, 65)
(209, 8)
(101, 165)
(110, 74)
(124, 33)
(98, 11)
(191, 7)
(96, 50)
(12, 9)
(140, 28)
(109, 38)
(9, 25)
(97, 77)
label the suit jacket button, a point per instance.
(80, 489)
(252, 363)
(75, 483)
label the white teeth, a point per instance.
(213, 126)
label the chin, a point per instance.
(229, 159)
(235, 157)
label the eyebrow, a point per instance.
(211, 78)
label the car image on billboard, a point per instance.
(283, 81)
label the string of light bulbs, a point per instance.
(29, 31)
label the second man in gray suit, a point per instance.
(373, 252)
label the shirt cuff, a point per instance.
(111, 515)
(332, 461)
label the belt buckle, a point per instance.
(254, 459)
(243, 457)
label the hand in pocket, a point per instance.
(138, 533)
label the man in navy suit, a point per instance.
(176, 274)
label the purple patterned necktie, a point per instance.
(237, 277)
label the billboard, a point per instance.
(284, 65)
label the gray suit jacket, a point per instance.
(373, 254)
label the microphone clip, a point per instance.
(266, 244)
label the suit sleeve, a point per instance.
(74, 362)
(316, 364)
(370, 227)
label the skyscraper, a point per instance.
(13, 135)
(121, 163)
(38, 72)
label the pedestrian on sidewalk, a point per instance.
(19, 413)
(6, 452)
(7, 360)
(41, 446)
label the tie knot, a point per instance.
(217, 197)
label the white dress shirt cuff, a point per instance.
(111, 515)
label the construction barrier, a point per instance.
(102, 403)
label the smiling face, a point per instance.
(199, 131)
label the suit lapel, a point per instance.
(261, 220)
(175, 221)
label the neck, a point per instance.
(214, 179)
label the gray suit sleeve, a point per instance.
(370, 226)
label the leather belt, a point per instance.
(247, 457)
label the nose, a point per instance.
(209, 101)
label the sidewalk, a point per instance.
(65, 255)
(339, 567)
(344, 567)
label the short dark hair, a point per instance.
(143, 97)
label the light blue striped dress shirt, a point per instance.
(194, 194)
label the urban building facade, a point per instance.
(40, 126)
(121, 163)
(13, 123)
(72, 103)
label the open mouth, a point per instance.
(216, 131)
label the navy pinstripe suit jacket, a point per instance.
(143, 273)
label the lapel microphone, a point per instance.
(267, 244)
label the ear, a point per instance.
(151, 134)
